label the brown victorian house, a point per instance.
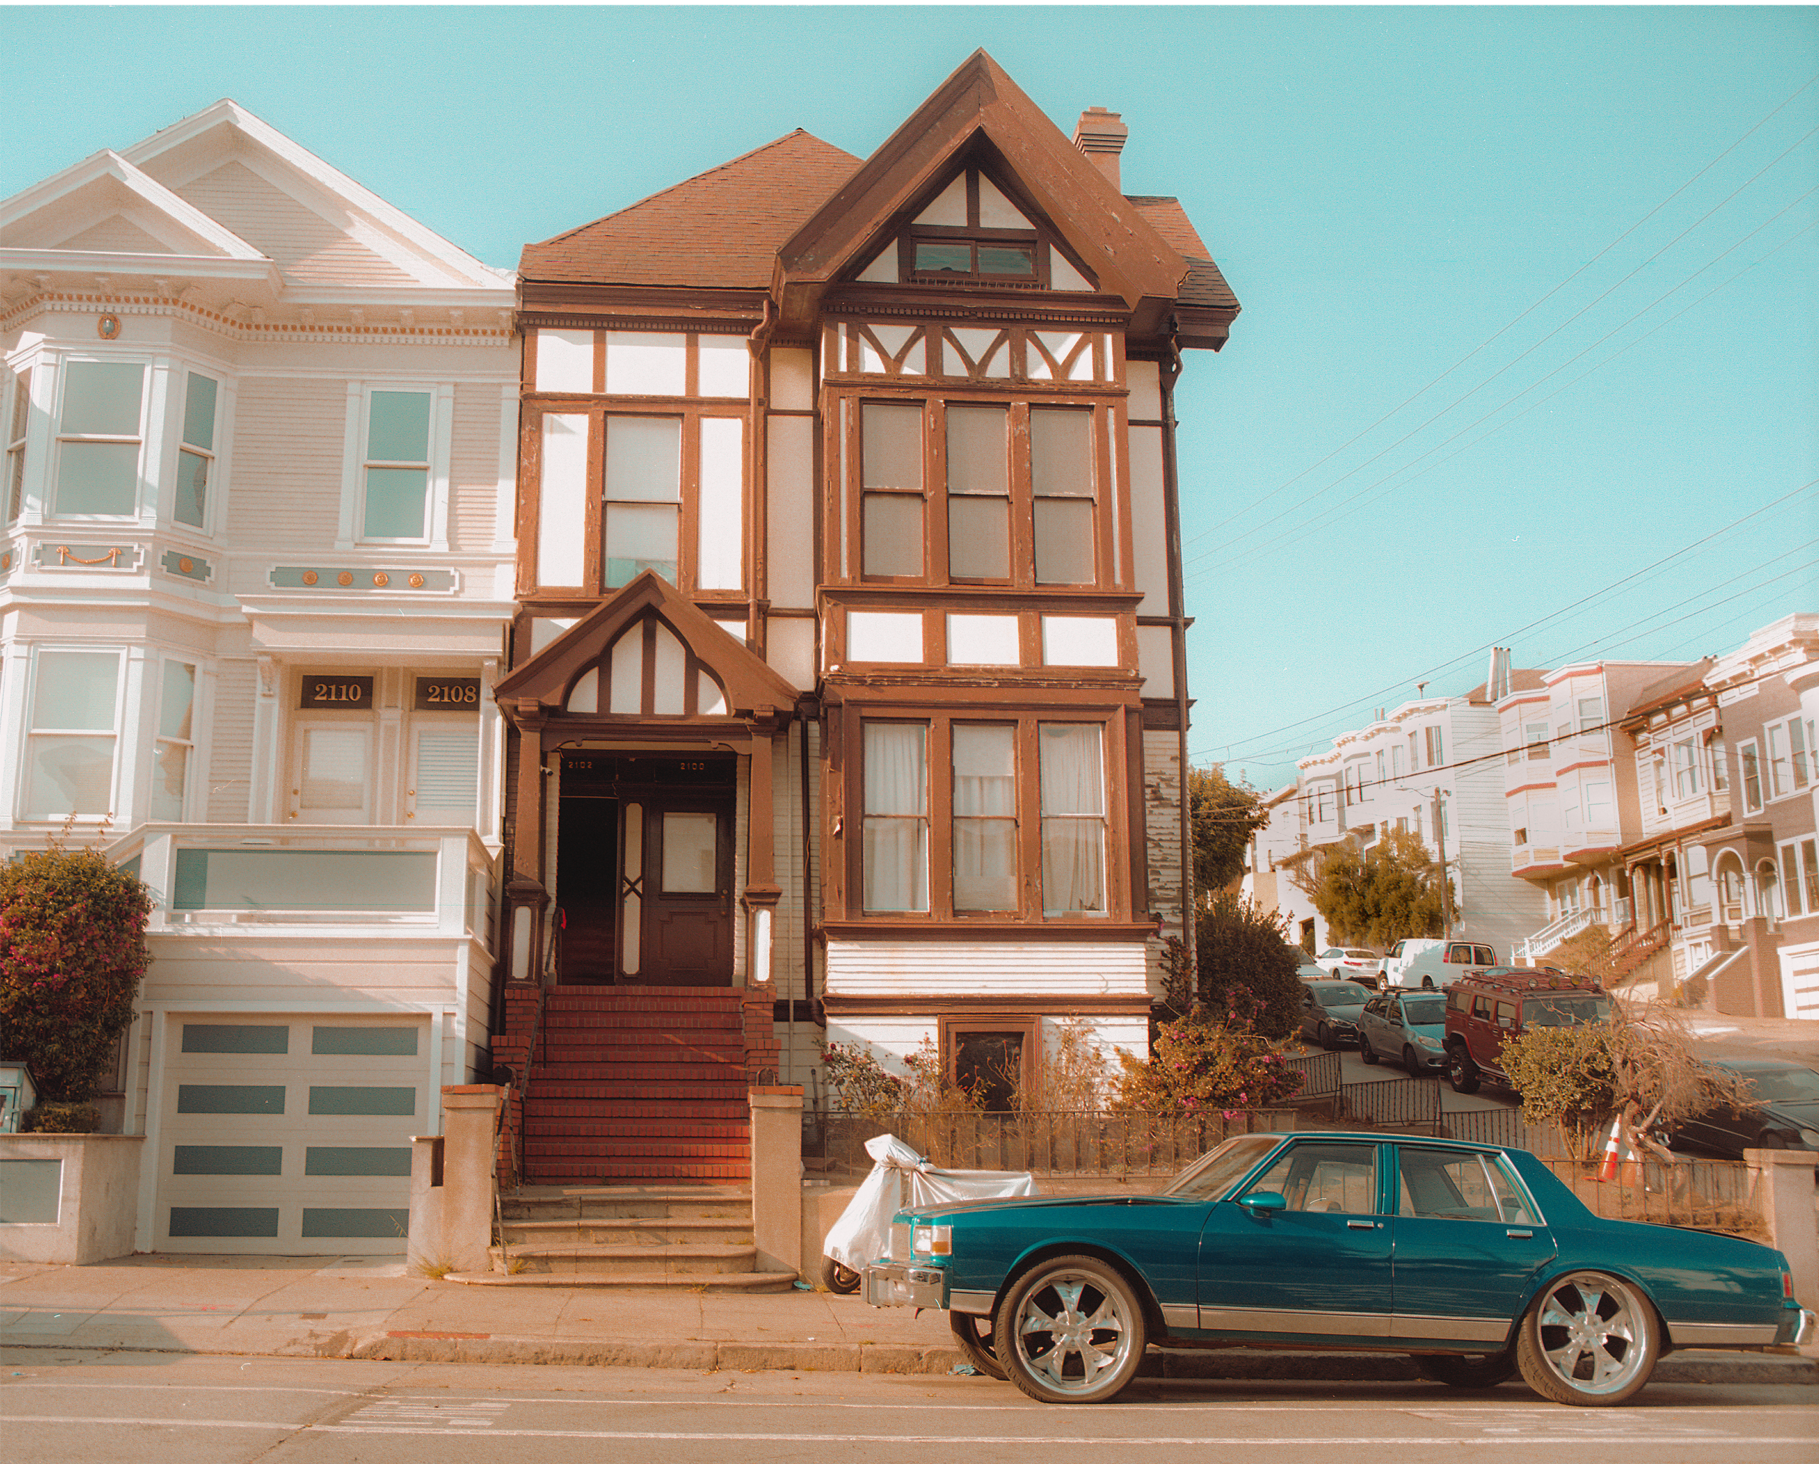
(847, 687)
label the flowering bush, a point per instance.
(72, 954)
(1197, 1065)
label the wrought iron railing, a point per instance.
(1702, 1194)
(1391, 1103)
(1320, 1074)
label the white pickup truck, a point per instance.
(1446, 962)
(1402, 955)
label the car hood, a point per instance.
(1345, 1013)
(1433, 1031)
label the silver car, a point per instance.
(1330, 1011)
(1409, 1028)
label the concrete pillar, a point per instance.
(468, 1116)
(426, 1248)
(777, 1177)
(1784, 1189)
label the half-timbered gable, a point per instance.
(899, 430)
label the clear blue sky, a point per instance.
(1387, 190)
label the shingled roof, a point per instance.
(1204, 284)
(718, 230)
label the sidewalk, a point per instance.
(361, 1307)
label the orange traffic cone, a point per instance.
(1608, 1170)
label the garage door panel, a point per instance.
(291, 1136)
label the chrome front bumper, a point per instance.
(1806, 1329)
(888, 1283)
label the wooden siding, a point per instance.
(1162, 793)
(788, 945)
(306, 246)
(1011, 969)
(301, 972)
(117, 235)
(288, 444)
(473, 469)
(230, 755)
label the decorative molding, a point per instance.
(240, 322)
(186, 566)
(315, 577)
(89, 556)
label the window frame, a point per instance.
(17, 419)
(938, 725)
(356, 463)
(1749, 774)
(975, 234)
(1796, 737)
(1797, 864)
(950, 1027)
(210, 456)
(33, 733)
(160, 740)
(845, 448)
(62, 439)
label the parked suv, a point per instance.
(1447, 962)
(1402, 954)
(1485, 1010)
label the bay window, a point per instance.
(73, 734)
(18, 418)
(99, 439)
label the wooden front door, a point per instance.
(688, 892)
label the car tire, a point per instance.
(1070, 1330)
(839, 1279)
(974, 1334)
(1427, 983)
(1588, 1339)
(1366, 1051)
(1773, 1140)
(1323, 1034)
(1461, 1071)
(1456, 1371)
(1411, 1064)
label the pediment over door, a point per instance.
(646, 655)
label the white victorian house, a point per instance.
(255, 575)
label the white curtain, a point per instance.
(985, 827)
(895, 849)
(1073, 820)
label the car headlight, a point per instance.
(932, 1240)
(1430, 1042)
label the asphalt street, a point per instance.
(74, 1408)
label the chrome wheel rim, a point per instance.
(1592, 1333)
(1072, 1334)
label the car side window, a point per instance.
(1506, 1016)
(1325, 1177)
(1481, 1008)
(1484, 956)
(1440, 1184)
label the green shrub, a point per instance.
(72, 955)
(1246, 967)
(1567, 1076)
(63, 1118)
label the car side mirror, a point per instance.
(1263, 1202)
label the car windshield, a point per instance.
(1362, 955)
(1212, 1176)
(1784, 1085)
(1424, 1011)
(1340, 993)
(1565, 1010)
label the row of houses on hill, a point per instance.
(1674, 805)
(758, 621)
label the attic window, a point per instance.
(972, 231)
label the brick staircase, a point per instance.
(698, 1236)
(644, 1087)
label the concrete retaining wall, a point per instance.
(76, 1196)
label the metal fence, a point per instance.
(1714, 1194)
(1080, 1142)
(1507, 1127)
(1320, 1074)
(1391, 1103)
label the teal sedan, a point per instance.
(1473, 1259)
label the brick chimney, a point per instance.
(1100, 135)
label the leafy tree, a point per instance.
(1584, 954)
(1245, 968)
(1222, 816)
(1380, 895)
(72, 954)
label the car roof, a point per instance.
(1759, 1064)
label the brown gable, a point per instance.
(979, 102)
(750, 685)
(1204, 285)
(719, 230)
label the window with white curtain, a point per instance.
(894, 855)
(1072, 770)
(985, 818)
(74, 731)
(176, 743)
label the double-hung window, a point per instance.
(978, 493)
(643, 510)
(1436, 747)
(1534, 734)
(1061, 484)
(99, 437)
(196, 452)
(18, 418)
(74, 731)
(985, 817)
(176, 743)
(1790, 746)
(890, 505)
(895, 853)
(1800, 876)
(1686, 768)
(396, 500)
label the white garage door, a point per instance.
(290, 1135)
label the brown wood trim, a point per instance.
(1162, 716)
(1137, 820)
(1035, 932)
(1058, 1004)
(1004, 600)
(936, 691)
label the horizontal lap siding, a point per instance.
(288, 442)
(230, 754)
(301, 972)
(1162, 794)
(984, 968)
(473, 487)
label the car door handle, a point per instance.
(1520, 1234)
(1363, 1225)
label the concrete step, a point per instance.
(665, 1260)
(629, 1202)
(727, 1281)
(546, 1089)
(596, 1169)
(654, 1235)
